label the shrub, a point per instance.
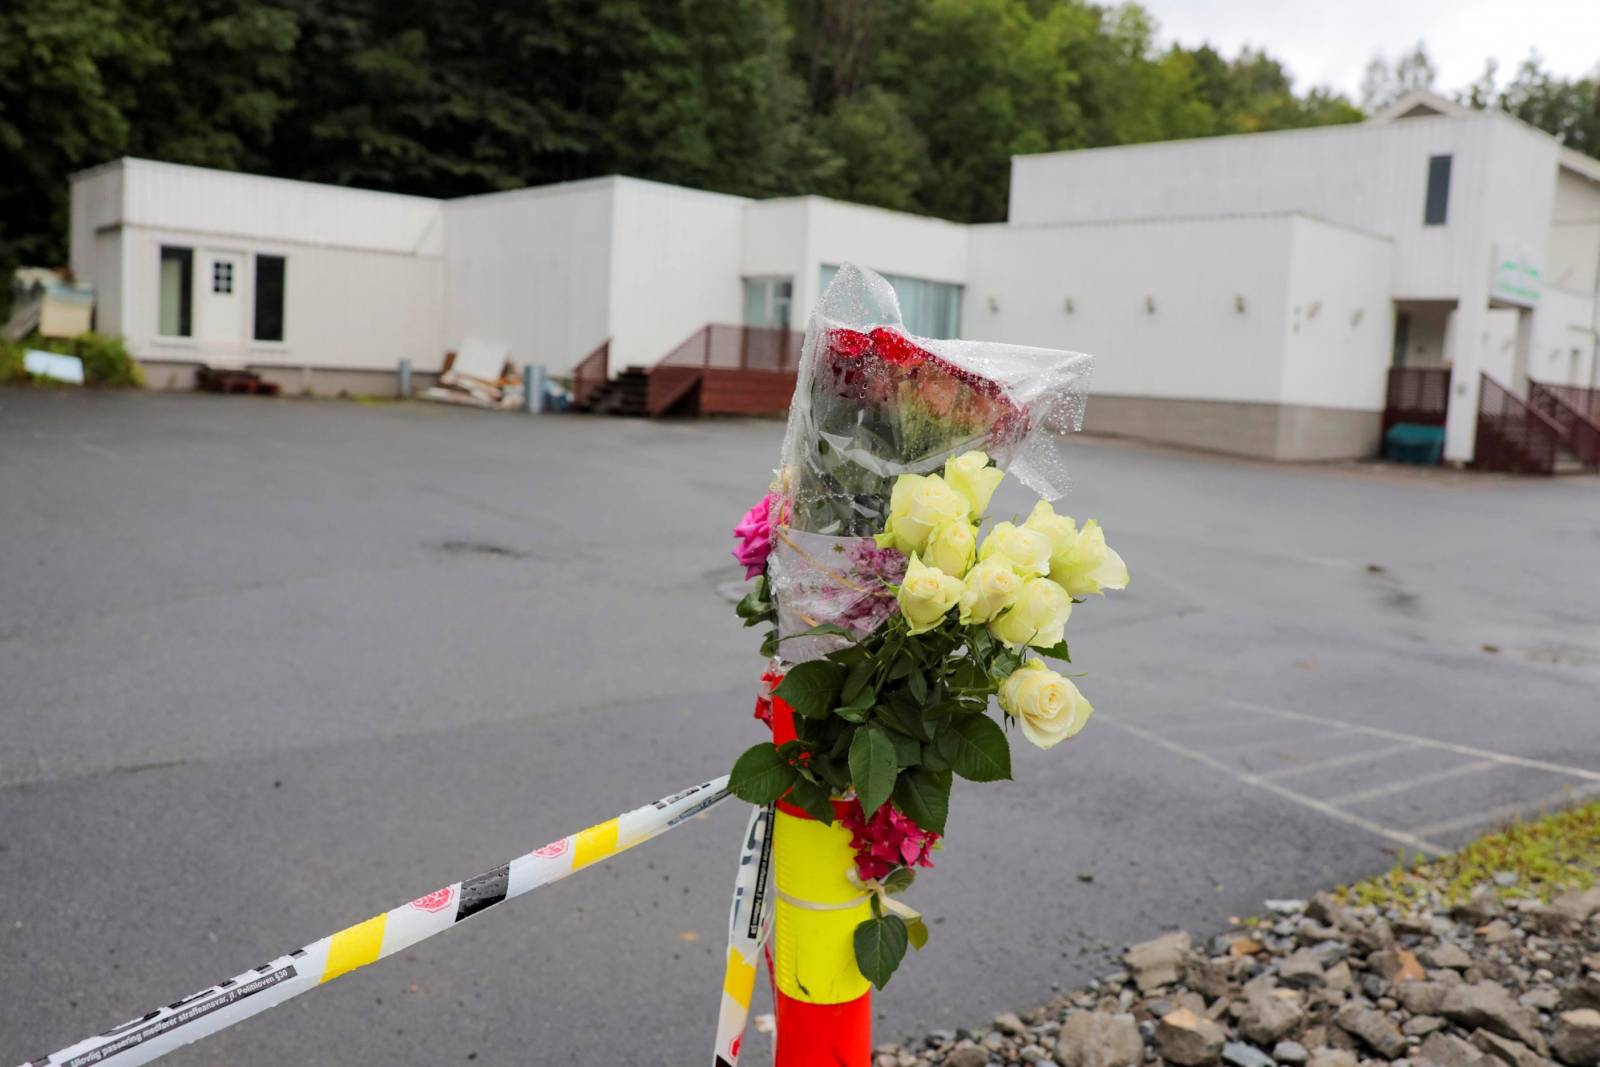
(11, 368)
(105, 359)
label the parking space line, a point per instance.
(1506, 811)
(1422, 779)
(1268, 742)
(1396, 735)
(1409, 839)
(1332, 762)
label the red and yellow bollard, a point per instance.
(824, 1004)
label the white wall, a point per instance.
(796, 237)
(1339, 335)
(1196, 344)
(532, 268)
(343, 308)
(1575, 234)
(675, 266)
(197, 199)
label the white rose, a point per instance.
(1047, 707)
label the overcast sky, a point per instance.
(1329, 42)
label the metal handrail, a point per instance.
(1512, 436)
(591, 375)
(1580, 433)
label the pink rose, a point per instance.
(755, 537)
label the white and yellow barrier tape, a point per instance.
(201, 1014)
(749, 923)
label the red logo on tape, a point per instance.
(552, 850)
(437, 900)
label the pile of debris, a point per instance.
(479, 375)
(1485, 983)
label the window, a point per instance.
(767, 301)
(177, 291)
(1438, 206)
(1402, 337)
(269, 298)
(221, 277)
(929, 309)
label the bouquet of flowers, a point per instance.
(893, 616)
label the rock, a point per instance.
(1323, 908)
(1511, 1053)
(1242, 1055)
(1290, 1053)
(1549, 919)
(1009, 1023)
(1447, 1050)
(1374, 1028)
(1541, 998)
(1330, 952)
(966, 1054)
(1300, 969)
(1489, 1006)
(1034, 1054)
(1332, 1057)
(1422, 1025)
(1188, 1040)
(1477, 909)
(1096, 1039)
(1423, 999)
(1495, 932)
(1585, 994)
(1410, 969)
(1338, 976)
(1268, 1017)
(1374, 938)
(1211, 978)
(1579, 904)
(1158, 962)
(1575, 1038)
(994, 1041)
(1447, 955)
(1244, 946)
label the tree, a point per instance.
(1383, 84)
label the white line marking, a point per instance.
(1395, 735)
(1392, 788)
(1268, 742)
(1410, 840)
(1506, 811)
(1365, 755)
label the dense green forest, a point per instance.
(910, 104)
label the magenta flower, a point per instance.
(890, 840)
(755, 537)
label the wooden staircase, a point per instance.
(626, 394)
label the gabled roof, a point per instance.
(1425, 103)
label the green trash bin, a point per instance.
(1412, 442)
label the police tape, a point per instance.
(201, 1014)
(749, 924)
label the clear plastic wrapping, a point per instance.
(872, 403)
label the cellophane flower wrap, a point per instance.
(893, 622)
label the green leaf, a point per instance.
(813, 800)
(761, 775)
(754, 606)
(856, 680)
(969, 674)
(899, 880)
(812, 689)
(1056, 651)
(907, 750)
(933, 759)
(924, 795)
(872, 768)
(917, 932)
(824, 629)
(917, 684)
(977, 749)
(880, 946)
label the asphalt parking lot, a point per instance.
(270, 666)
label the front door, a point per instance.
(221, 304)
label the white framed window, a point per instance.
(928, 308)
(267, 323)
(175, 314)
(222, 278)
(767, 301)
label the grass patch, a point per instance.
(1547, 856)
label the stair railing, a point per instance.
(1578, 433)
(1511, 435)
(591, 375)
